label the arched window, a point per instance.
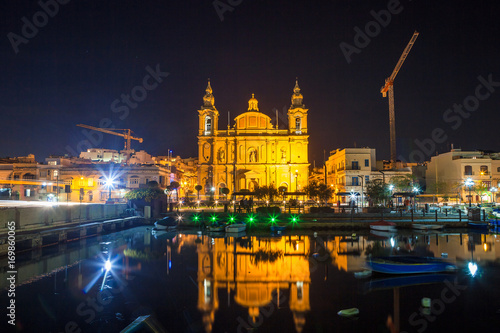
(483, 169)
(297, 124)
(208, 124)
(468, 170)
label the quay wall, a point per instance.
(27, 218)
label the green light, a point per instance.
(294, 220)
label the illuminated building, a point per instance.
(256, 151)
(456, 166)
(350, 169)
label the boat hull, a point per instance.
(409, 265)
(478, 225)
(235, 228)
(426, 227)
(383, 226)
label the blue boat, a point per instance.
(478, 225)
(404, 281)
(409, 265)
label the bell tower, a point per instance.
(208, 114)
(297, 114)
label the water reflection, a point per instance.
(256, 269)
(264, 275)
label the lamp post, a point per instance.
(296, 182)
(109, 184)
(391, 188)
(469, 183)
(415, 191)
(493, 191)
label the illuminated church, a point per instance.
(252, 148)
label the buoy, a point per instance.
(426, 302)
(348, 312)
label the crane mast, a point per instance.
(388, 89)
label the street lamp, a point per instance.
(109, 184)
(469, 183)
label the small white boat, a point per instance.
(425, 227)
(236, 227)
(166, 224)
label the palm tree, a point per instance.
(198, 188)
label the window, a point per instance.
(483, 169)
(367, 179)
(498, 169)
(355, 181)
(367, 162)
(90, 182)
(208, 124)
(355, 165)
(297, 124)
(468, 170)
(27, 192)
(52, 163)
(134, 180)
(56, 173)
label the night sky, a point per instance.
(89, 53)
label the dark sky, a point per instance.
(91, 52)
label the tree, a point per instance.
(319, 191)
(325, 193)
(198, 188)
(404, 183)
(444, 188)
(481, 189)
(266, 192)
(225, 191)
(147, 194)
(378, 191)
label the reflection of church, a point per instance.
(258, 272)
(254, 149)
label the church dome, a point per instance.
(253, 104)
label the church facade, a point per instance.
(252, 152)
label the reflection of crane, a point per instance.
(127, 135)
(389, 82)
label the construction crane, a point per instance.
(127, 135)
(388, 87)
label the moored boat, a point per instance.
(478, 225)
(166, 223)
(383, 225)
(236, 227)
(216, 228)
(426, 227)
(409, 265)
